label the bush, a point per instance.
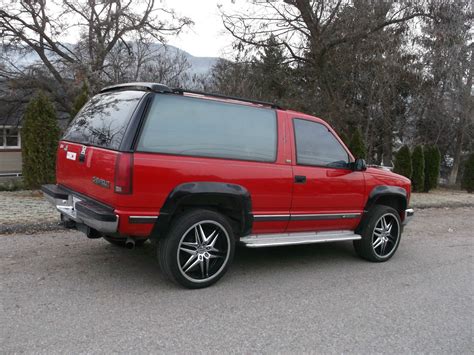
(467, 182)
(344, 138)
(403, 164)
(40, 134)
(80, 100)
(13, 184)
(432, 166)
(418, 163)
(357, 145)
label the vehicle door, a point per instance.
(327, 193)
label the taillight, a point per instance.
(56, 164)
(123, 173)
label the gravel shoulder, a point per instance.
(442, 198)
(63, 293)
(28, 212)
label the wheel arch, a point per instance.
(229, 199)
(392, 196)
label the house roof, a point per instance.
(10, 116)
(12, 110)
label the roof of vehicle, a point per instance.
(144, 86)
(163, 89)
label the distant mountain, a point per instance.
(199, 65)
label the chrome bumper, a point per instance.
(77, 209)
(409, 213)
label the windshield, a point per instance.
(103, 120)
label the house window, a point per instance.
(10, 137)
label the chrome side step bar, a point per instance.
(273, 240)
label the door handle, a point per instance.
(300, 179)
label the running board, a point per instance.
(273, 240)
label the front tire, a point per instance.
(198, 248)
(381, 232)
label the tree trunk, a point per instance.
(457, 155)
(465, 117)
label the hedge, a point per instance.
(40, 134)
(418, 174)
(403, 164)
(80, 100)
(432, 165)
(467, 182)
(357, 145)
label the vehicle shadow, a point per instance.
(142, 262)
(295, 254)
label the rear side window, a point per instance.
(316, 145)
(103, 120)
(190, 126)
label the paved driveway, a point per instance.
(63, 293)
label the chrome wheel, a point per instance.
(203, 251)
(386, 235)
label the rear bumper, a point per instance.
(82, 210)
(409, 213)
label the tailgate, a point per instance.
(90, 147)
(87, 170)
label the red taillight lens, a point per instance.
(123, 173)
(56, 164)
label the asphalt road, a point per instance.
(63, 293)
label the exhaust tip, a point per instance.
(130, 243)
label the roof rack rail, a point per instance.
(155, 87)
(180, 91)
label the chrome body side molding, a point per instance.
(270, 240)
(305, 217)
(323, 216)
(142, 219)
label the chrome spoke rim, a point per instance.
(385, 235)
(203, 251)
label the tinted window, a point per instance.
(191, 126)
(315, 145)
(103, 120)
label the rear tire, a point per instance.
(198, 248)
(381, 232)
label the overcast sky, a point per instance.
(207, 38)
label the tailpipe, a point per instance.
(130, 243)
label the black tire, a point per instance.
(120, 242)
(379, 243)
(197, 260)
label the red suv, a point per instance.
(197, 173)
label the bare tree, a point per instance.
(103, 25)
(165, 65)
(315, 26)
(446, 98)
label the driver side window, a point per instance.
(316, 145)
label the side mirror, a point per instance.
(359, 165)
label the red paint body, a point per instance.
(271, 185)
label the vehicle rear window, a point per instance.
(200, 127)
(103, 120)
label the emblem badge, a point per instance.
(82, 156)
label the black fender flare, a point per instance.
(206, 194)
(386, 191)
